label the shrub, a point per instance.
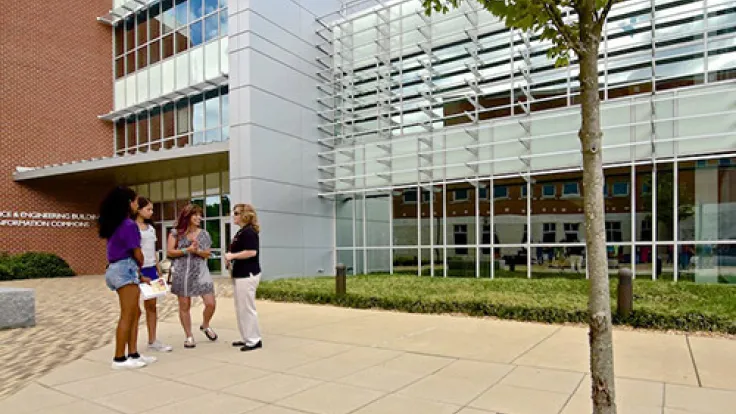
(33, 265)
(6, 273)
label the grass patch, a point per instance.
(657, 305)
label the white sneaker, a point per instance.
(129, 363)
(159, 347)
(148, 360)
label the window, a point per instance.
(410, 196)
(180, 118)
(571, 232)
(166, 28)
(483, 193)
(523, 191)
(425, 197)
(548, 191)
(570, 189)
(486, 238)
(614, 232)
(605, 190)
(646, 229)
(500, 192)
(461, 238)
(549, 233)
(646, 188)
(621, 189)
(460, 195)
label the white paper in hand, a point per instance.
(157, 289)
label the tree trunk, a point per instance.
(599, 303)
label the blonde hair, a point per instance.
(248, 216)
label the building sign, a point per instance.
(46, 219)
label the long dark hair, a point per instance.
(114, 209)
(185, 216)
(142, 203)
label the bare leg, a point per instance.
(185, 303)
(151, 319)
(209, 310)
(128, 296)
(133, 338)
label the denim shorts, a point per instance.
(150, 272)
(121, 273)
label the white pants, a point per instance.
(576, 262)
(245, 308)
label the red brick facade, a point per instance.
(55, 72)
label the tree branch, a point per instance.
(603, 16)
(556, 17)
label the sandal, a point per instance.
(189, 343)
(209, 333)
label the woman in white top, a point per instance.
(150, 268)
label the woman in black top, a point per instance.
(245, 268)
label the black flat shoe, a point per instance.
(238, 343)
(252, 347)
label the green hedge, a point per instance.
(657, 305)
(33, 265)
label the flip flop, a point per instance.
(209, 333)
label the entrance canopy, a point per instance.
(142, 167)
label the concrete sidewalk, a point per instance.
(327, 360)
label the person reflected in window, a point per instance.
(189, 247)
(243, 259)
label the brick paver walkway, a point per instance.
(73, 317)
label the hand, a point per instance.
(145, 280)
(192, 248)
(229, 257)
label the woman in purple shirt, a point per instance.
(124, 259)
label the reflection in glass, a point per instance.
(213, 228)
(378, 221)
(197, 113)
(212, 5)
(225, 200)
(195, 9)
(345, 257)
(211, 27)
(182, 14)
(707, 200)
(344, 221)
(405, 217)
(223, 23)
(212, 103)
(212, 208)
(195, 33)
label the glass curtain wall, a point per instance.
(165, 29)
(196, 120)
(209, 191)
(684, 228)
(471, 133)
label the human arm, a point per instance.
(137, 254)
(173, 252)
(202, 245)
(245, 246)
(241, 255)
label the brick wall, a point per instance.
(55, 70)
